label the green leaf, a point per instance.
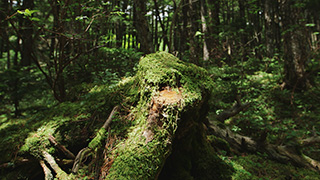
(310, 25)
(35, 19)
(198, 33)
(27, 12)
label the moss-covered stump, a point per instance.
(168, 140)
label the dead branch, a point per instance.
(51, 161)
(283, 154)
(108, 121)
(62, 148)
(310, 141)
(47, 172)
(236, 109)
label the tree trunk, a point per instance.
(204, 31)
(27, 38)
(142, 27)
(213, 31)
(191, 30)
(269, 30)
(295, 47)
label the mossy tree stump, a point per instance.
(168, 140)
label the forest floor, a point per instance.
(284, 115)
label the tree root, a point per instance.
(95, 143)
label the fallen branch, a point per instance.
(47, 172)
(283, 154)
(60, 174)
(310, 141)
(234, 110)
(62, 148)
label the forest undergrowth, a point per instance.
(282, 115)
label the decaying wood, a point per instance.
(234, 110)
(47, 172)
(310, 141)
(62, 148)
(280, 153)
(79, 159)
(60, 174)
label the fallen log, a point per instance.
(280, 153)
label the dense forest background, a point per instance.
(262, 56)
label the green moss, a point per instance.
(102, 133)
(136, 159)
(38, 141)
(163, 69)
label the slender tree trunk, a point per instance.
(213, 30)
(269, 29)
(204, 31)
(27, 39)
(191, 30)
(142, 27)
(162, 24)
(4, 38)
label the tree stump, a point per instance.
(168, 140)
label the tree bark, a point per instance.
(27, 36)
(142, 27)
(269, 29)
(204, 31)
(295, 47)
